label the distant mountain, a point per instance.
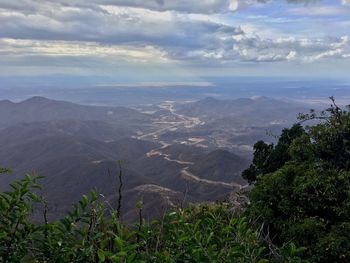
(39, 109)
(74, 165)
(256, 111)
(39, 154)
(92, 129)
(220, 165)
(77, 147)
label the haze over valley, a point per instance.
(173, 152)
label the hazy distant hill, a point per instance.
(74, 165)
(38, 109)
(89, 129)
(39, 154)
(74, 146)
(257, 111)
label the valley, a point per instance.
(173, 152)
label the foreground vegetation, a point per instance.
(302, 186)
(299, 211)
(206, 233)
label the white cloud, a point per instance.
(292, 54)
(326, 54)
(20, 47)
(155, 31)
(320, 10)
(256, 49)
(184, 6)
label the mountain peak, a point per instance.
(259, 98)
(208, 100)
(7, 102)
(36, 99)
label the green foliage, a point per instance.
(92, 232)
(205, 234)
(268, 158)
(16, 230)
(306, 198)
(4, 170)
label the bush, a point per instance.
(306, 199)
(91, 232)
(16, 230)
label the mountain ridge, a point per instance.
(36, 109)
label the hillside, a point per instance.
(74, 146)
(221, 165)
(39, 109)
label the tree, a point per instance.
(304, 195)
(268, 158)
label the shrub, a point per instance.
(92, 232)
(307, 199)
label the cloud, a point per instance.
(252, 48)
(293, 1)
(20, 48)
(117, 26)
(185, 6)
(188, 6)
(325, 10)
(157, 31)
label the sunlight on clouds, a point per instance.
(18, 47)
(329, 53)
(184, 6)
(180, 33)
(326, 10)
(233, 6)
(138, 12)
(291, 55)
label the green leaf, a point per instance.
(122, 254)
(93, 196)
(101, 255)
(84, 201)
(118, 242)
(210, 237)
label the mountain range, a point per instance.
(76, 148)
(38, 109)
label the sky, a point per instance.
(175, 41)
